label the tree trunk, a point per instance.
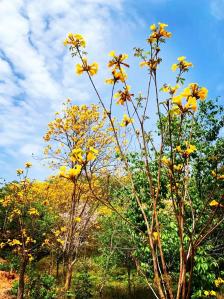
(22, 271)
(129, 281)
(57, 267)
(68, 277)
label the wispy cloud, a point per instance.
(217, 9)
(36, 71)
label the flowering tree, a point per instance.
(172, 155)
(26, 221)
(78, 144)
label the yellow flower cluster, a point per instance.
(167, 162)
(219, 281)
(14, 242)
(209, 293)
(70, 173)
(77, 155)
(170, 89)
(182, 64)
(217, 176)
(75, 40)
(158, 33)
(123, 95)
(33, 212)
(187, 150)
(152, 64)
(191, 94)
(118, 72)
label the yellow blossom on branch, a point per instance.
(158, 33)
(73, 172)
(117, 76)
(182, 64)
(33, 211)
(76, 155)
(28, 164)
(92, 154)
(92, 69)
(186, 150)
(75, 40)
(77, 219)
(117, 60)
(126, 120)
(123, 95)
(19, 171)
(170, 89)
(14, 242)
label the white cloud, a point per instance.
(217, 9)
(37, 72)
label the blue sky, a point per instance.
(37, 72)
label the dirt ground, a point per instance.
(6, 281)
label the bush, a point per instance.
(83, 285)
(41, 287)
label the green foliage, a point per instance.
(14, 288)
(41, 287)
(83, 285)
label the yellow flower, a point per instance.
(117, 76)
(76, 155)
(63, 229)
(30, 257)
(28, 164)
(14, 242)
(92, 69)
(33, 211)
(178, 167)
(126, 120)
(177, 100)
(75, 40)
(153, 27)
(162, 25)
(77, 219)
(212, 293)
(2, 244)
(152, 64)
(181, 58)
(175, 111)
(190, 149)
(166, 161)
(171, 89)
(202, 93)
(91, 155)
(219, 281)
(182, 64)
(155, 235)
(187, 151)
(158, 32)
(124, 95)
(73, 172)
(117, 60)
(214, 203)
(174, 67)
(206, 293)
(191, 103)
(19, 171)
(62, 242)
